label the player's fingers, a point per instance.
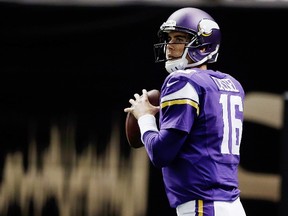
(128, 109)
(136, 95)
(131, 108)
(132, 101)
(144, 94)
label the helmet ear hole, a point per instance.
(203, 49)
(207, 48)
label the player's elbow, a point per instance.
(160, 158)
(159, 162)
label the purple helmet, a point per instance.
(204, 32)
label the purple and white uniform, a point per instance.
(200, 129)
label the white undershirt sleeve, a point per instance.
(147, 123)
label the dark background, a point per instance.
(83, 63)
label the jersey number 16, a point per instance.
(232, 132)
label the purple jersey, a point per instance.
(208, 106)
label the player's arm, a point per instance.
(180, 106)
(161, 146)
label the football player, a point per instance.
(197, 143)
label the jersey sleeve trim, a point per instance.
(186, 95)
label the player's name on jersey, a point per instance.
(225, 84)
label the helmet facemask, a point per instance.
(182, 62)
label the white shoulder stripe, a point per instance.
(188, 91)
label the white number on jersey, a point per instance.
(231, 123)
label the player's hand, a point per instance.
(140, 105)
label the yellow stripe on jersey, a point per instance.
(200, 208)
(181, 101)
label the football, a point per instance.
(132, 129)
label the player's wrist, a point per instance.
(146, 123)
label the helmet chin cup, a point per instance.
(177, 64)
